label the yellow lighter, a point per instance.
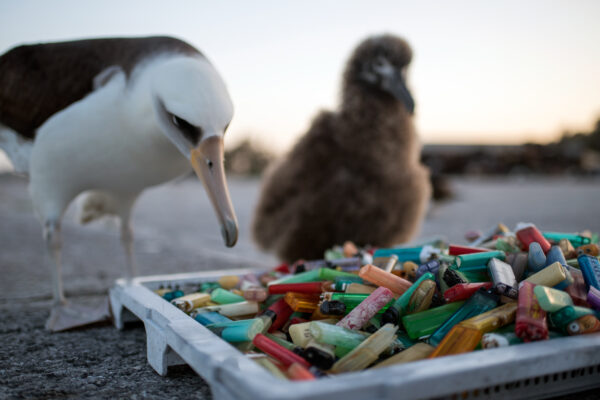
(193, 300)
(460, 339)
(550, 276)
(491, 320)
(419, 351)
(302, 302)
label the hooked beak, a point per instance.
(396, 86)
(207, 161)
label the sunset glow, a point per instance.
(483, 72)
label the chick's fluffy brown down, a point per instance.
(355, 175)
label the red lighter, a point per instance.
(305, 287)
(531, 234)
(279, 312)
(531, 319)
(455, 250)
(463, 291)
(285, 356)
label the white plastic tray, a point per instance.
(534, 370)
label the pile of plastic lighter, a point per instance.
(371, 308)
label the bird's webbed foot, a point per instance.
(68, 315)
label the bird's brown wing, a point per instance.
(36, 81)
(283, 217)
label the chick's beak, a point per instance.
(396, 86)
(207, 161)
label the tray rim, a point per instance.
(242, 378)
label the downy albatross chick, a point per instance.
(111, 116)
(355, 175)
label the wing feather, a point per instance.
(36, 81)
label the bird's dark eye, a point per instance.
(176, 120)
(191, 132)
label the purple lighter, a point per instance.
(593, 298)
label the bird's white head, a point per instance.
(193, 110)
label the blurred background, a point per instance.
(509, 73)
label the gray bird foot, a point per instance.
(69, 315)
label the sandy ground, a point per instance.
(176, 231)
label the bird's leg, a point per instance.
(65, 315)
(127, 242)
(52, 237)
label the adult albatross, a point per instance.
(111, 117)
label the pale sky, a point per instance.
(483, 71)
